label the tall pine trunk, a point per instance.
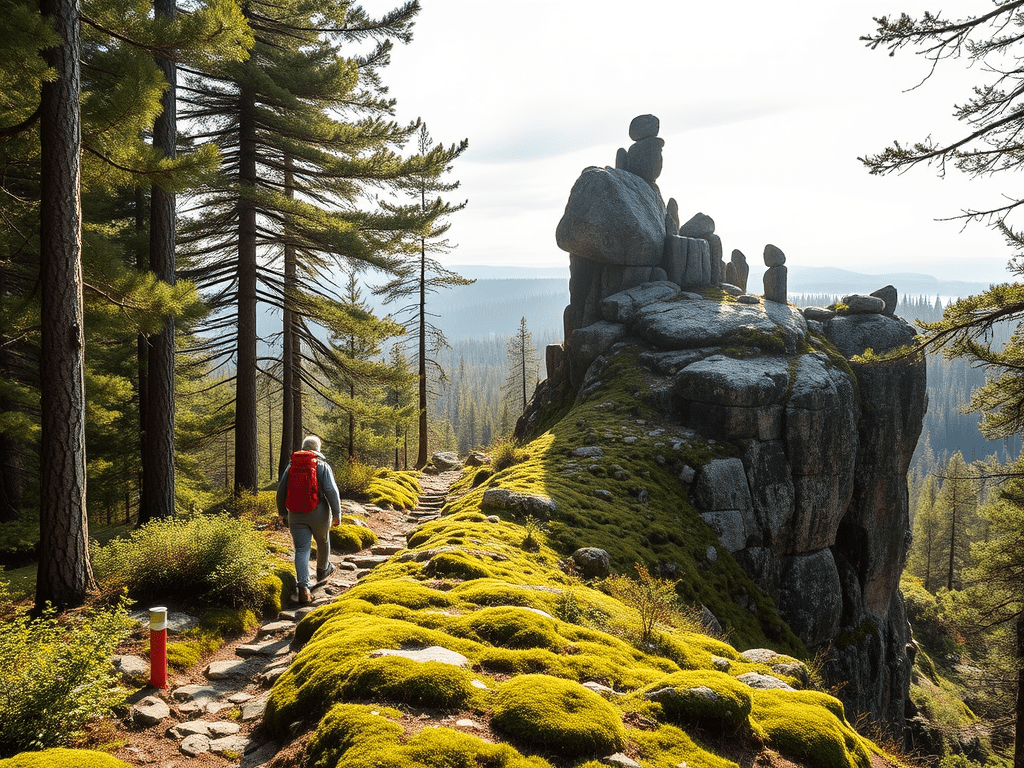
(158, 447)
(289, 393)
(246, 437)
(421, 457)
(64, 576)
(10, 449)
(1018, 743)
(142, 341)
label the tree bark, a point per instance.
(1018, 742)
(158, 448)
(141, 264)
(421, 456)
(289, 339)
(246, 437)
(65, 575)
(10, 449)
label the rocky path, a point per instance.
(209, 715)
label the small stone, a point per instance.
(721, 664)
(276, 628)
(234, 744)
(213, 707)
(644, 127)
(763, 682)
(239, 698)
(889, 296)
(270, 676)
(821, 314)
(224, 728)
(479, 684)
(190, 692)
(191, 728)
(254, 708)
(711, 553)
(773, 256)
(467, 723)
(132, 666)
(492, 519)
(629, 440)
(603, 495)
(687, 474)
(746, 298)
(433, 653)
(619, 760)
(260, 756)
(601, 690)
(386, 549)
(195, 745)
(588, 452)
(150, 710)
(221, 670)
(760, 655)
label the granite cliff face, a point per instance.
(814, 503)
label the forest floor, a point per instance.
(252, 674)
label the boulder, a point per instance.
(859, 304)
(737, 270)
(770, 480)
(623, 306)
(821, 314)
(446, 461)
(722, 485)
(150, 710)
(422, 655)
(853, 334)
(520, 503)
(587, 344)
(591, 562)
(645, 160)
(728, 527)
(700, 225)
(775, 284)
(478, 458)
(694, 324)
(773, 256)
(613, 217)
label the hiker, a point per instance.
(322, 510)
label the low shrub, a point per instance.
(507, 452)
(353, 478)
(400, 490)
(704, 697)
(347, 538)
(560, 715)
(56, 674)
(196, 644)
(404, 681)
(258, 508)
(63, 758)
(654, 598)
(212, 559)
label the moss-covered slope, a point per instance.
(522, 637)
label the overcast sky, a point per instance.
(764, 109)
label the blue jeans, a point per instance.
(305, 528)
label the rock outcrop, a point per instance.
(814, 503)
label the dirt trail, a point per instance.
(215, 708)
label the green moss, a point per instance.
(404, 681)
(456, 565)
(669, 746)
(557, 715)
(346, 538)
(767, 341)
(512, 628)
(799, 725)
(63, 758)
(703, 696)
(400, 490)
(857, 635)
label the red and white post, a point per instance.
(158, 647)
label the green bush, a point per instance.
(214, 559)
(556, 714)
(394, 489)
(353, 478)
(56, 674)
(63, 758)
(507, 452)
(703, 696)
(425, 684)
(214, 625)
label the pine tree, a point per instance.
(305, 135)
(923, 556)
(956, 503)
(424, 275)
(522, 367)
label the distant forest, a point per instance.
(479, 319)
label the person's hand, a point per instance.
(283, 520)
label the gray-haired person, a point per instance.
(306, 526)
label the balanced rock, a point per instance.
(775, 284)
(737, 270)
(645, 160)
(613, 217)
(773, 256)
(644, 127)
(672, 217)
(620, 159)
(889, 296)
(859, 304)
(700, 225)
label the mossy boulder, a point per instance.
(557, 715)
(703, 697)
(63, 758)
(347, 538)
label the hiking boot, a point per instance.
(323, 573)
(304, 596)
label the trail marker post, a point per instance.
(158, 647)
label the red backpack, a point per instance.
(303, 490)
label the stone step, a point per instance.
(417, 520)
(368, 561)
(386, 549)
(276, 628)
